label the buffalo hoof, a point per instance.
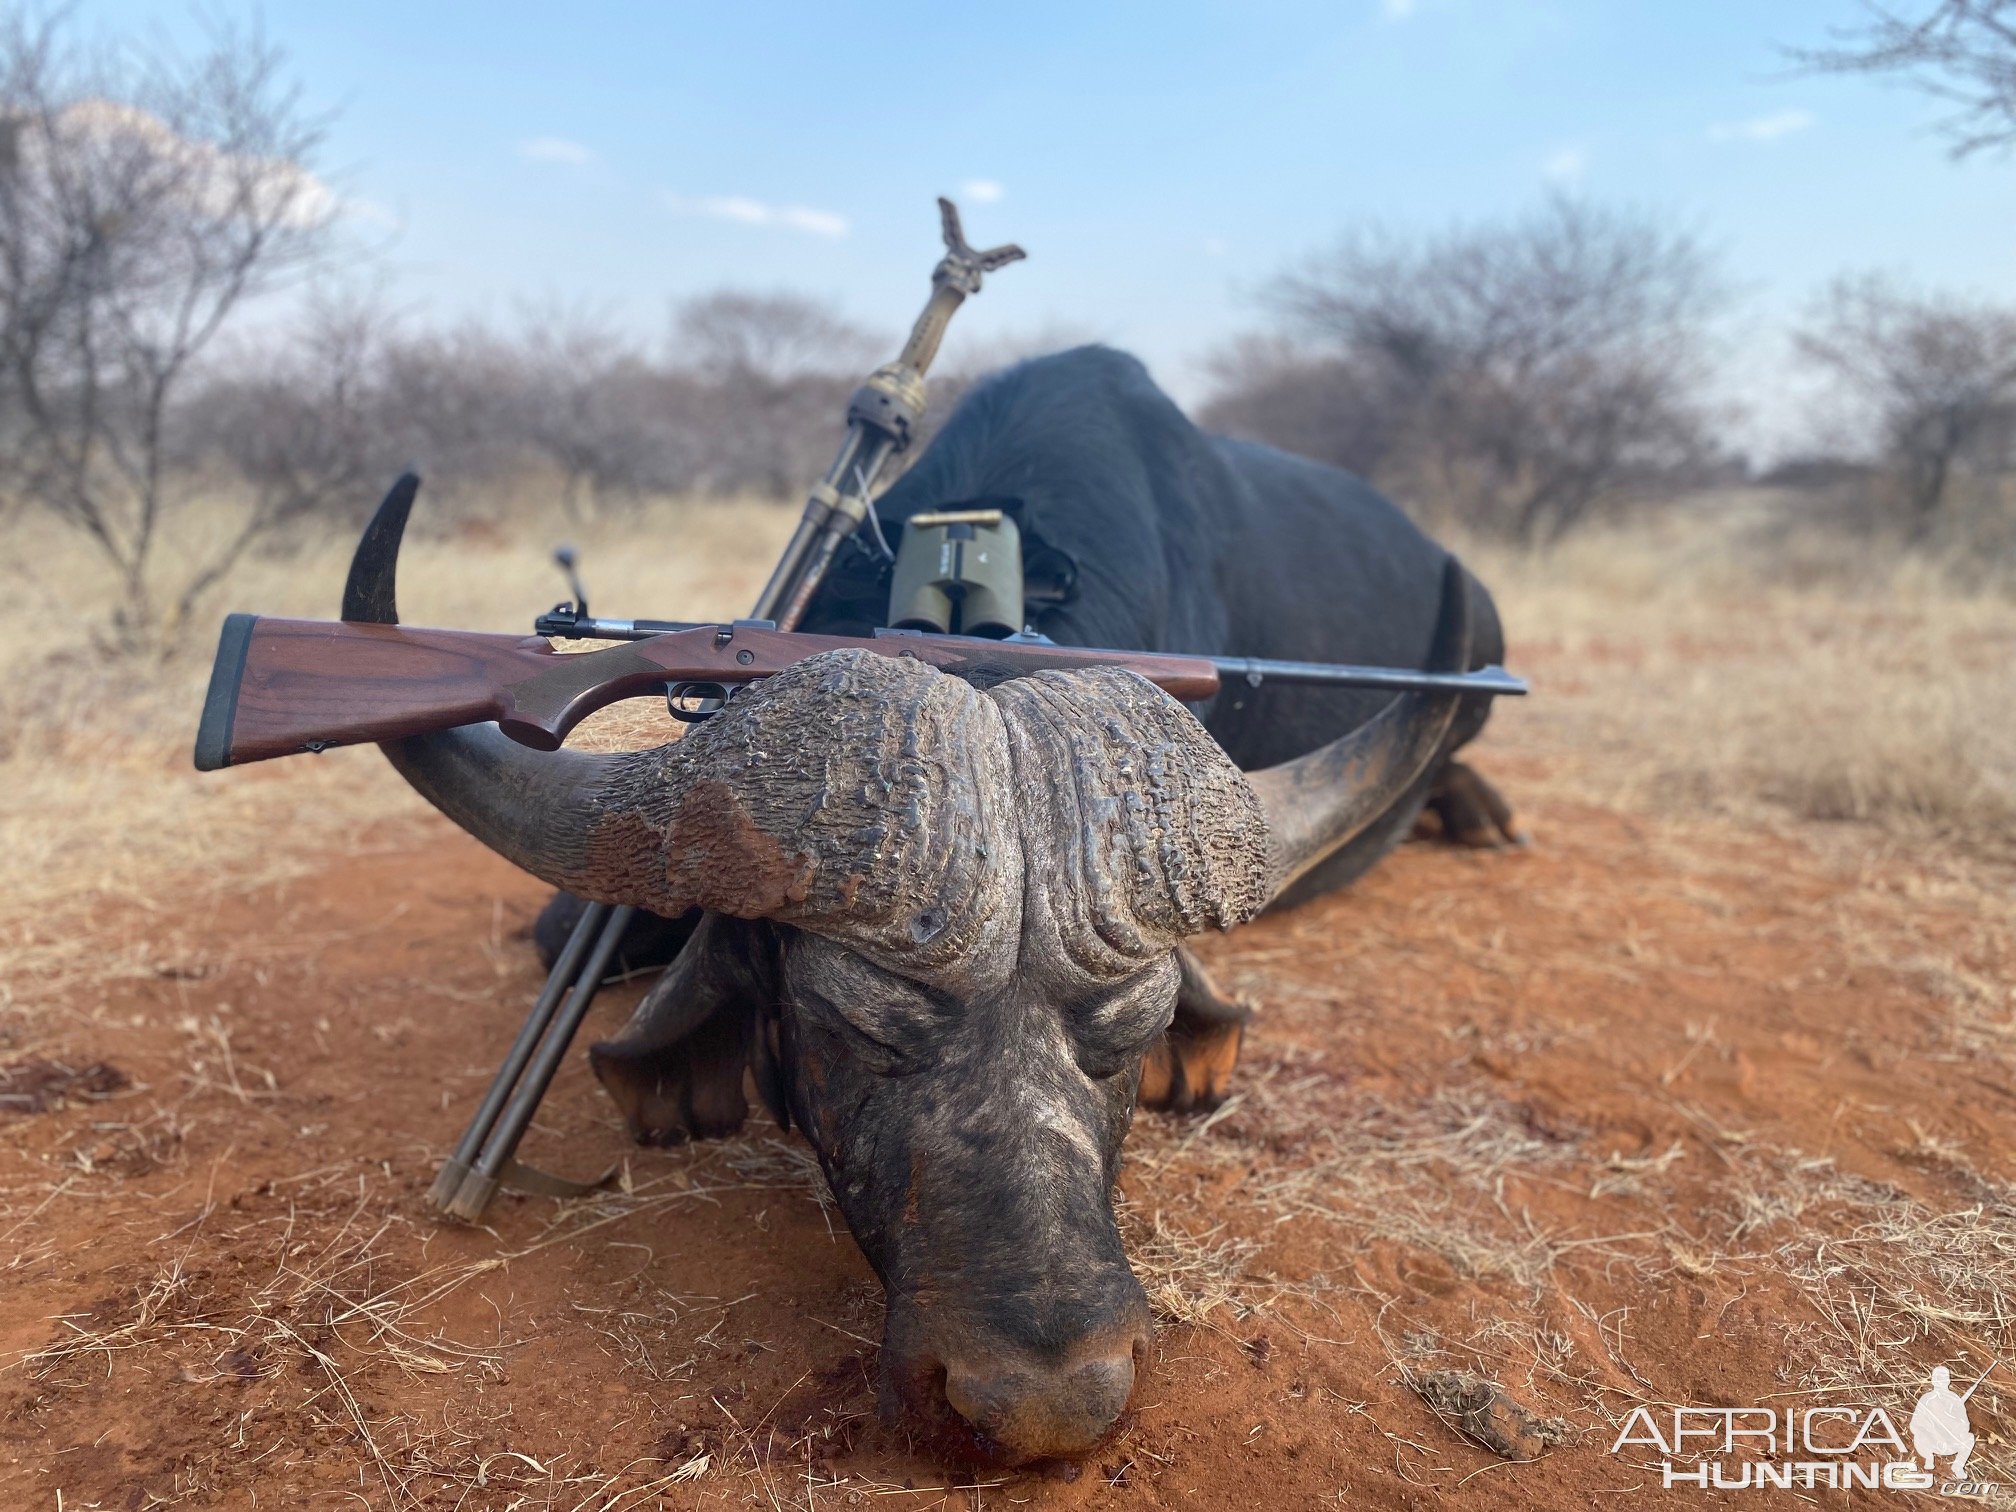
(1471, 811)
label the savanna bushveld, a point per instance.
(1697, 1099)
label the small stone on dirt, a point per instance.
(1483, 1410)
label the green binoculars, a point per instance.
(958, 571)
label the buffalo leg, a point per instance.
(1471, 810)
(1190, 1067)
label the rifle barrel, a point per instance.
(1257, 672)
(1253, 671)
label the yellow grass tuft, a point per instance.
(1686, 669)
(97, 795)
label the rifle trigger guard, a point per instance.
(692, 702)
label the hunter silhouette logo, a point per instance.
(1830, 1445)
(1939, 1424)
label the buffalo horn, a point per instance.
(1318, 803)
(537, 810)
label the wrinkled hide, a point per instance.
(983, 951)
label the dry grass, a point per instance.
(1192, 1278)
(1679, 675)
(1428, 1174)
(1873, 1279)
(347, 1319)
(97, 796)
(1689, 668)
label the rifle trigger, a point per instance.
(691, 702)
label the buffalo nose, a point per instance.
(1029, 1412)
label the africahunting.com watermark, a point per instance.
(1730, 1448)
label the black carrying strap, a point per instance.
(519, 1177)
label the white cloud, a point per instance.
(1764, 128)
(1566, 165)
(1397, 10)
(752, 212)
(818, 222)
(555, 150)
(983, 191)
(369, 212)
(217, 182)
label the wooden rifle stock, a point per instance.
(282, 686)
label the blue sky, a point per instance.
(1159, 161)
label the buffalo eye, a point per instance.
(887, 1024)
(1112, 1031)
(877, 1055)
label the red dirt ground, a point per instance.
(1644, 1114)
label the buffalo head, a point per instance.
(942, 934)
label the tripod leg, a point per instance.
(500, 1141)
(566, 967)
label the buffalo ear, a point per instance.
(1189, 1066)
(766, 1065)
(676, 1069)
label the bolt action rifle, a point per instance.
(282, 686)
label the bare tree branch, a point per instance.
(1520, 372)
(1963, 51)
(773, 372)
(1934, 375)
(142, 204)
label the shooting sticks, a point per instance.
(881, 418)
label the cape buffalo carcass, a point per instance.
(942, 926)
